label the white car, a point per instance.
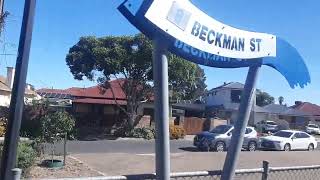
(313, 129)
(287, 140)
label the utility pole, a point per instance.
(9, 153)
(1, 7)
(1, 14)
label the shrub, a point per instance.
(54, 125)
(121, 131)
(3, 126)
(31, 119)
(146, 133)
(26, 155)
(177, 132)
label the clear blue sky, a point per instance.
(60, 23)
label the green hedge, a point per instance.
(26, 155)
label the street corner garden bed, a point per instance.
(73, 168)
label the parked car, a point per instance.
(288, 140)
(312, 129)
(267, 126)
(219, 138)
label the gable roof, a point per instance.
(284, 110)
(307, 107)
(276, 108)
(5, 87)
(230, 85)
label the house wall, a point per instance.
(253, 119)
(96, 115)
(4, 98)
(219, 97)
(222, 97)
(257, 117)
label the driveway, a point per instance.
(122, 157)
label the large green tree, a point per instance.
(263, 98)
(186, 79)
(130, 58)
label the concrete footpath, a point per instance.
(111, 164)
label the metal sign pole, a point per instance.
(8, 160)
(161, 110)
(241, 123)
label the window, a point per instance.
(271, 123)
(285, 134)
(304, 135)
(313, 126)
(82, 108)
(236, 96)
(221, 129)
(301, 135)
(296, 135)
(248, 130)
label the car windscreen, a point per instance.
(312, 126)
(283, 134)
(220, 129)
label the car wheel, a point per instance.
(310, 147)
(220, 146)
(252, 146)
(287, 147)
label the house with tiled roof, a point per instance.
(296, 118)
(92, 106)
(6, 84)
(306, 107)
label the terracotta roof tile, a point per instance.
(91, 92)
(308, 108)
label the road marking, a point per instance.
(171, 154)
(152, 154)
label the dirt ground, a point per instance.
(73, 168)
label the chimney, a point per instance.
(298, 102)
(10, 77)
(30, 87)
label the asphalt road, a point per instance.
(123, 146)
(123, 164)
(120, 146)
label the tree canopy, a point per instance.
(263, 98)
(130, 58)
